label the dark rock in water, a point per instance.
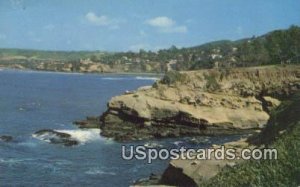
(152, 145)
(153, 179)
(6, 138)
(89, 122)
(55, 137)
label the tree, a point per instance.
(94, 58)
(294, 40)
(260, 53)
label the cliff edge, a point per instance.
(204, 102)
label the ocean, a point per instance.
(31, 101)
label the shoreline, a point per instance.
(83, 73)
(186, 103)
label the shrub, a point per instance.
(211, 82)
(173, 76)
(224, 73)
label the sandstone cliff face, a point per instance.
(196, 171)
(200, 102)
(199, 172)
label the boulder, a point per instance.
(271, 103)
(55, 137)
(6, 138)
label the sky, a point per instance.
(130, 25)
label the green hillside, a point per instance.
(276, 47)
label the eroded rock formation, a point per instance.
(200, 103)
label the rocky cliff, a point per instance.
(281, 132)
(200, 102)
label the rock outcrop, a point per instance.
(6, 138)
(89, 122)
(55, 137)
(283, 120)
(201, 102)
(194, 172)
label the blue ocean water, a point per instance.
(30, 101)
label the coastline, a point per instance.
(195, 93)
(87, 73)
(243, 97)
(197, 78)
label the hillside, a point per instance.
(276, 47)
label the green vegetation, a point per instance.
(282, 133)
(224, 73)
(276, 47)
(211, 82)
(50, 55)
(172, 77)
(282, 118)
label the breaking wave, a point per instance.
(83, 135)
(97, 171)
(113, 78)
(147, 78)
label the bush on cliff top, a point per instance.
(211, 82)
(173, 76)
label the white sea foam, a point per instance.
(147, 78)
(60, 124)
(112, 78)
(52, 72)
(44, 137)
(178, 143)
(83, 135)
(15, 160)
(97, 171)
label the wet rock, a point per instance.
(152, 145)
(152, 180)
(6, 138)
(55, 137)
(89, 122)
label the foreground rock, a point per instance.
(55, 137)
(187, 172)
(206, 102)
(184, 172)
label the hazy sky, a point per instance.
(122, 25)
